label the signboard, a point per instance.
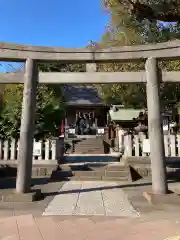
(100, 131)
(146, 146)
(37, 149)
(165, 128)
(71, 130)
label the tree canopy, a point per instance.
(158, 10)
(50, 104)
(50, 109)
(125, 28)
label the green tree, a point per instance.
(153, 10)
(49, 111)
(50, 105)
(125, 28)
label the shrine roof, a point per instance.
(82, 95)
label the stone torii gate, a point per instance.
(152, 77)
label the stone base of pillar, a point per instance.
(159, 199)
(11, 196)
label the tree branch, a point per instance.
(143, 11)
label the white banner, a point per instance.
(100, 130)
(37, 149)
(146, 146)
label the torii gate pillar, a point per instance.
(23, 182)
(157, 153)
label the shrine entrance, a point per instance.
(91, 57)
(83, 120)
(85, 111)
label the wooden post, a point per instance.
(157, 153)
(23, 181)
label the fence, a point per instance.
(44, 151)
(137, 145)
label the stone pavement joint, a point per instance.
(91, 198)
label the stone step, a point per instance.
(86, 178)
(73, 167)
(99, 178)
(88, 175)
(88, 147)
(61, 174)
(123, 178)
(116, 173)
(85, 142)
(101, 172)
(91, 158)
(69, 174)
(95, 140)
(100, 166)
(117, 167)
(88, 152)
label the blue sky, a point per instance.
(69, 23)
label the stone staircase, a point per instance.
(89, 146)
(92, 171)
(86, 146)
(44, 228)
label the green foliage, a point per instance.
(129, 95)
(11, 111)
(124, 29)
(49, 111)
(50, 105)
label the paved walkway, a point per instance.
(27, 227)
(111, 215)
(91, 198)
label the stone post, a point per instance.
(60, 149)
(117, 138)
(23, 181)
(157, 154)
(106, 140)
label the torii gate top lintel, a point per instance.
(20, 52)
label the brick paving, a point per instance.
(25, 221)
(27, 227)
